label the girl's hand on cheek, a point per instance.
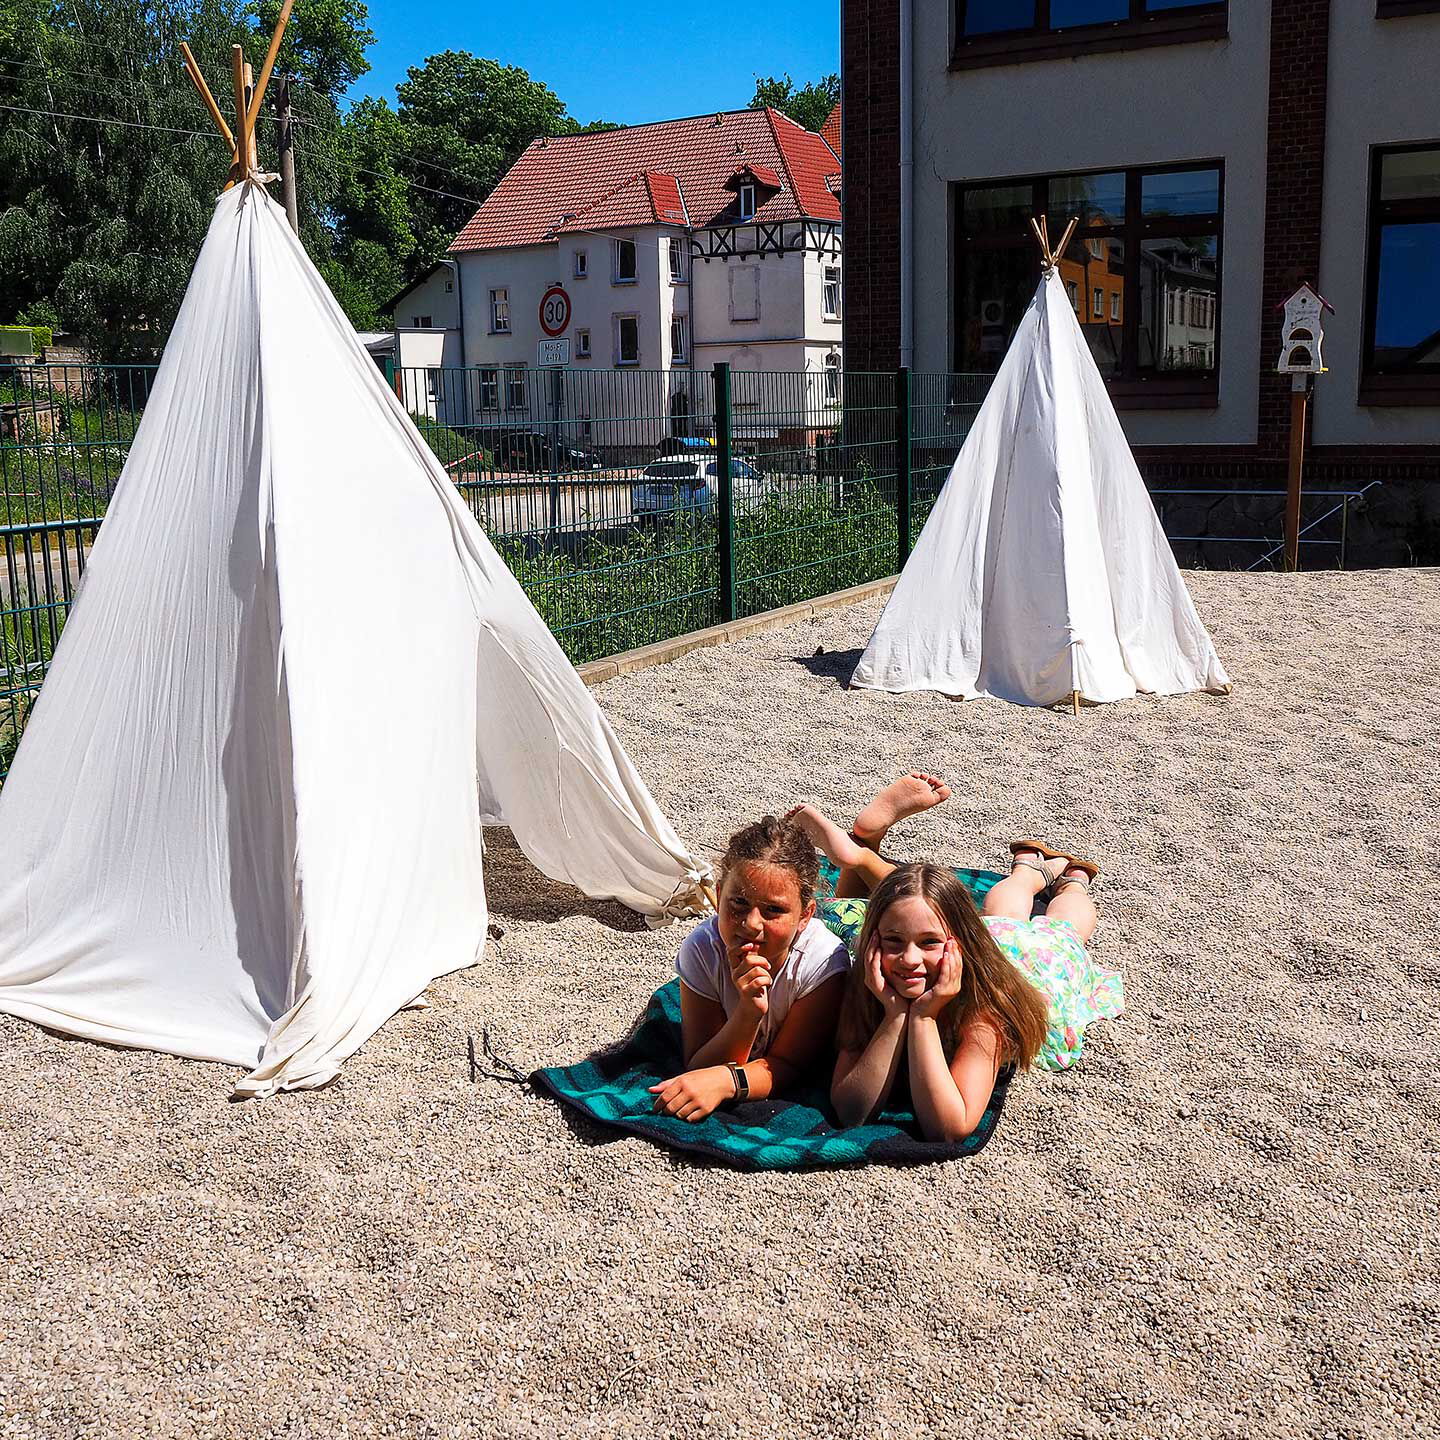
(751, 972)
(879, 986)
(946, 986)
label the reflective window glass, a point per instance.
(1179, 281)
(989, 17)
(1407, 302)
(1410, 175)
(993, 209)
(997, 287)
(1180, 192)
(1087, 12)
(1096, 199)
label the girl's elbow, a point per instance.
(950, 1132)
(847, 1111)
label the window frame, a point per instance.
(489, 382)
(581, 265)
(828, 311)
(1203, 20)
(517, 373)
(496, 327)
(677, 261)
(616, 278)
(582, 344)
(421, 322)
(619, 327)
(679, 355)
(1131, 388)
(831, 371)
(1419, 385)
(740, 209)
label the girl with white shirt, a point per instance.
(760, 982)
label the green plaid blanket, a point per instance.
(797, 1133)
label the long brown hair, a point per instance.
(781, 843)
(991, 988)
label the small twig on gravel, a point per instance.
(500, 1068)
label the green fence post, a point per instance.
(904, 489)
(725, 518)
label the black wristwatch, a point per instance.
(742, 1082)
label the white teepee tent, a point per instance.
(245, 821)
(1043, 570)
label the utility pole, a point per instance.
(284, 124)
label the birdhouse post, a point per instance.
(1301, 335)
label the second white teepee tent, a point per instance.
(1043, 571)
(245, 821)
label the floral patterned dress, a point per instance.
(1048, 953)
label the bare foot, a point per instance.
(827, 836)
(909, 795)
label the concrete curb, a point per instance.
(662, 653)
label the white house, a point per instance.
(659, 249)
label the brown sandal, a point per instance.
(1088, 868)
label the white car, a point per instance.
(667, 486)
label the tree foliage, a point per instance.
(809, 105)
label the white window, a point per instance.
(1115, 308)
(582, 264)
(499, 312)
(744, 292)
(679, 339)
(624, 263)
(420, 322)
(627, 339)
(515, 388)
(832, 379)
(1097, 303)
(677, 260)
(832, 292)
(582, 344)
(489, 388)
(747, 201)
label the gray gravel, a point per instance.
(1223, 1223)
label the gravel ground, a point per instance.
(1223, 1223)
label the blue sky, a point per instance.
(614, 61)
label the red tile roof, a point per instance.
(830, 130)
(654, 174)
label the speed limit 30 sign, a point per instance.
(555, 311)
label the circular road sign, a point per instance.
(554, 311)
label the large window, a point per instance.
(987, 30)
(1142, 271)
(623, 257)
(627, 339)
(1402, 309)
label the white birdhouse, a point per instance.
(1302, 333)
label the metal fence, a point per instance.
(633, 506)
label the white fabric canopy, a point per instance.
(1043, 568)
(245, 820)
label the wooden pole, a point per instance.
(250, 123)
(1065, 238)
(1299, 396)
(253, 112)
(1074, 702)
(242, 132)
(286, 147)
(198, 80)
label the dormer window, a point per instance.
(747, 201)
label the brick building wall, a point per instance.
(870, 198)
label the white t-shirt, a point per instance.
(815, 956)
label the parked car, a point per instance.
(521, 450)
(684, 445)
(667, 486)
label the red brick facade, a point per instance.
(870, 124)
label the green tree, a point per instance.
(101, 216)
(810, 105)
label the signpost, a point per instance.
(554, 352)
(555, 311)
(1301, 335)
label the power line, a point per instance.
(109, 120)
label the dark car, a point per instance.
(521, 450)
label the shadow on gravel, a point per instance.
(516, 890)
(836, 665)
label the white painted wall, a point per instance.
(1384, 89)
(1154, 106)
